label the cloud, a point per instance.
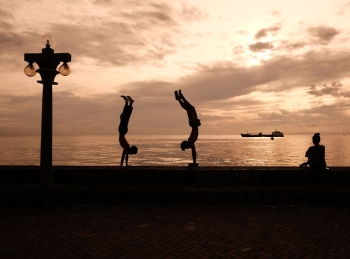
(102, 2)
(98, 114)
(293, 45)
(344, 9)
(10, 40)
(331, 118)
(260, 46)
(323, 34)
(6, 15)
(138, 33)
(151, 88)
(225, 80)
(144, 37)
(276, 12)
(329, 89)
(221, 93)
(20, 115)
(265, 32)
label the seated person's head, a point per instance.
(185, 145)
(133, 150)
(316, 138)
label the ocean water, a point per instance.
(164, 150)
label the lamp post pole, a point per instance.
(47, 62)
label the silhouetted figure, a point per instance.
(316, 154)
(194, 123)
(123, 129)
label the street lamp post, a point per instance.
(47, 62)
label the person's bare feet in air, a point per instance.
(130, 100)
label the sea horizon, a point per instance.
(163, 150)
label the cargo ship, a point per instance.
(274, 134)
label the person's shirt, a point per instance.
(316, 157)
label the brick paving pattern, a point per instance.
(107, 231)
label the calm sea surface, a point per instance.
(165, 150)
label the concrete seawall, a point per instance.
(227, 186)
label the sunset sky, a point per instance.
(245, 65)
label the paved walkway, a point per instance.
(107, 231)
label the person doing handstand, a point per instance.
(123, 129)
(194, 123)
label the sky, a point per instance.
(245, 65)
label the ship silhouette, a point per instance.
(274, 134)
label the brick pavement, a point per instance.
(107, 231)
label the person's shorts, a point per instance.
(194, 122)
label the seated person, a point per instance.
(316, 154)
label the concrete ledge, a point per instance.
(223, 197)
(177, 186)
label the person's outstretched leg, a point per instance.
(183, 102)
(131, 101)
(125, 116)
(176, 96)
(182, 97)
(125, 99)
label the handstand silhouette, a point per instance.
(194, 123)
(123, 129)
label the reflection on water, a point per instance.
(165, 150)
